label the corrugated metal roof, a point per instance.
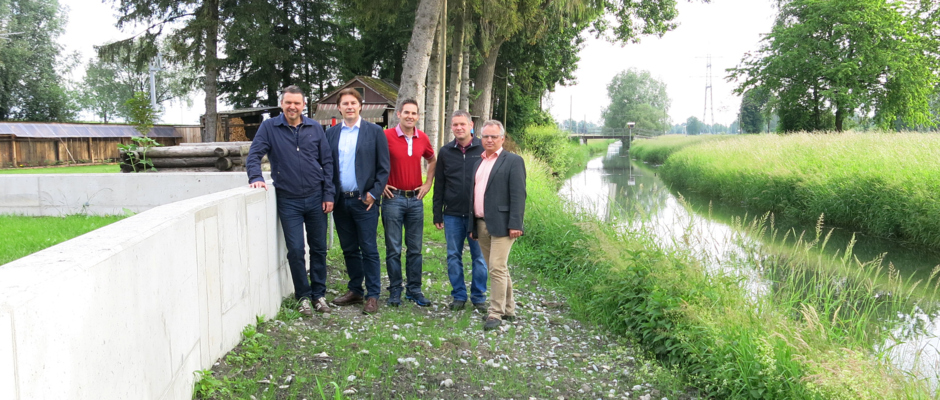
(51, 130)
(370, 112)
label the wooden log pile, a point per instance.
(193, 157)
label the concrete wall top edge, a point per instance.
(20, 278)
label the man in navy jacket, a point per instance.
(302, 173)
(360, 172)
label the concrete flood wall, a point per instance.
(107, 194)
(132, 310)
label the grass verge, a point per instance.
(884, 184)
(26, 235)
(657, 150)
(80, 169)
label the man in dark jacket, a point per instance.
(360, 173)
(302, 173)
(452, 185)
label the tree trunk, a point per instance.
(432, 101)
(840, 118)
(212, 69)
(482, 105)
(456, 67)
(415, 68)
(465, 79)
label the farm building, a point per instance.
(379, 98)
(240, 124)
(33, 144)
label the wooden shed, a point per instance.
(33, 144)
(379, 98)
(240, 124)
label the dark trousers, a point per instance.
(295, 215)
(356, 228)
(403, 212)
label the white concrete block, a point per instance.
(8, 381)
(19, 191)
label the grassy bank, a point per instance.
(810, 338)
(658, 149)
(81, 169)
(883, 184)
(26, 235)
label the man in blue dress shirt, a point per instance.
(361, 167)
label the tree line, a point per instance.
(496, 58)
(844, 64)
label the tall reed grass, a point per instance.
(885, 184)
(658, 149)
(807, 340)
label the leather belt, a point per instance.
(405, 193)
(350, 195)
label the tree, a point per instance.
(693, 126)
(31, 88)
(193, 31)
(635, 96)
(840, 57)
(140, 112)
(107, 85)
(752, 110)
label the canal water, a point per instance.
(630, 194)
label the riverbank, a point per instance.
(883, 184)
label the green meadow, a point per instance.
(26, 235)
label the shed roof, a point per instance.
(387, 90)
(56, 130)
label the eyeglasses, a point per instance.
(493, 137)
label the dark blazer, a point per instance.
(372, 163)
(504, 199)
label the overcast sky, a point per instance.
(725, 29)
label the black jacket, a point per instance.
(504, 199)
(301, 161)
(453, 179)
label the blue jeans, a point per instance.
(455, 232)
(407, 212)
(297, 214)
(357, 229)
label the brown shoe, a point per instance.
(372, 306)
(348, 299)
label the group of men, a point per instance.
(354, 169)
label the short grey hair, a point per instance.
(461, 113)
(493, 122)
(292, 89)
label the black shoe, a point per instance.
(492, 323)
(394, 299)
(418, 298)
(480, 307)
(457, 305)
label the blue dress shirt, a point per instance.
(348, 138)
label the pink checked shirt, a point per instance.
(481, 178)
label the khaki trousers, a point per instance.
(496, 253)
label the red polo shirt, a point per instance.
(405, 171)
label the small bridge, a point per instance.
(624, 135)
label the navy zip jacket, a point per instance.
(453, 179)
(301, 160)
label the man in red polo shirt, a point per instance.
(403, 206)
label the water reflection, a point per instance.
(705, 229)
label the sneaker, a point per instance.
(492, 323)
(394, 299)
(305, 307)
(457, 305)
(480, 307)
(321, 306)
(418, 298)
